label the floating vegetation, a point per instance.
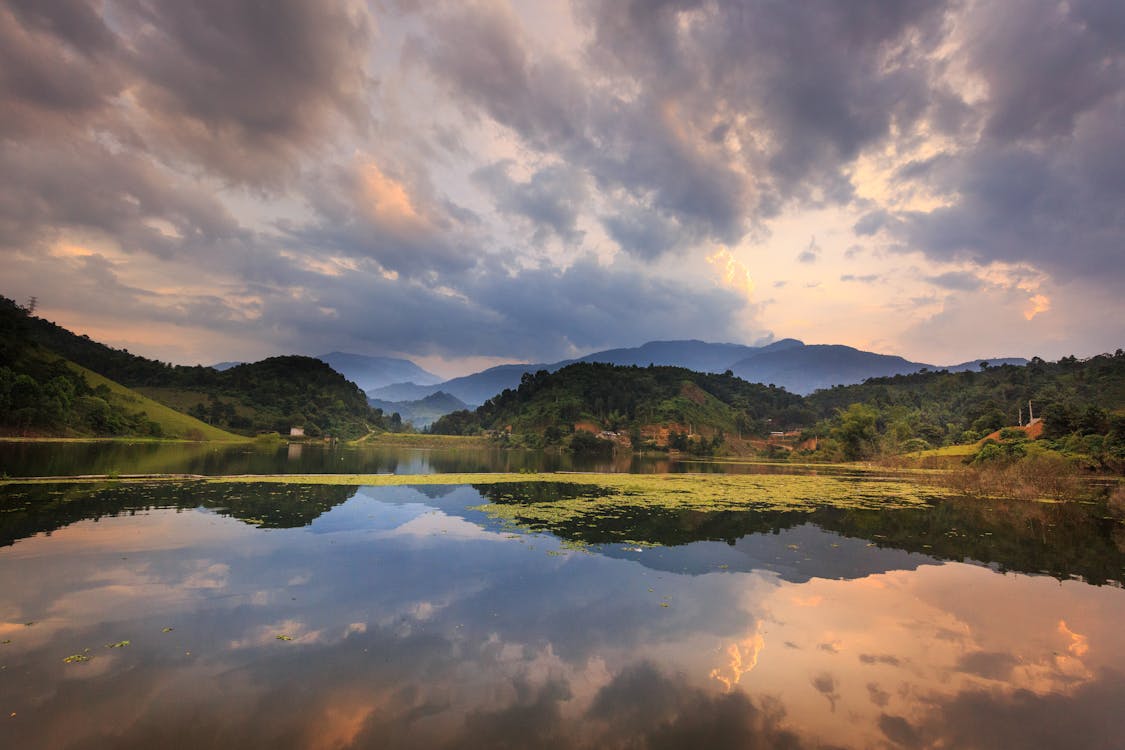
(119, 644)
(283, 637)
(78, 658)
(166, 630)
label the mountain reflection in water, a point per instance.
(303, 616)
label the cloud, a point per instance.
(367, 212)
(248, 90)
(59, 63)
(552, 199)
(1043, 179)
(957, 280)
(684, 110)
(732, 273)
(240, 165)
(810, 253)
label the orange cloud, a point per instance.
(1039, 303)
(742, 656)
(732, 273)
(387, 200)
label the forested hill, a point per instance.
(272, 395)
(1081, 401)
(958, 407)
(631, 399)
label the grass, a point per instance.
(948, 450)
(173, 423)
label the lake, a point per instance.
(46, 459)
(271, 615)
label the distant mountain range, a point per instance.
(370, 373)
(788, 363)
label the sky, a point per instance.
(469, 183)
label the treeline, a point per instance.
(268, 396)
(1081, 404)
(49, 397)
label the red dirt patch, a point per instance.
(693, 393)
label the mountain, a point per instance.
(804, 368)
(788, 363)
(975, 364)
(700, 356)
(478, 387)
(370, 372)
(403, 392)
(807, 368)
(422, 412)
(220, 366)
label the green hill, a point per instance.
(42, 394)
(650, 405)
(272, 395)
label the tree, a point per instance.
(856, 431)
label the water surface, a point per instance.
(55, 459)
(333, 617)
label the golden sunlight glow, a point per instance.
(386, 199)
(1039, 303)
(733, 274)
(742, 657)
(68, 250)
(1079, 644)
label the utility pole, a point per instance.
(1021, 416)
(1030, 414)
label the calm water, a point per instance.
(46, 459)
(336, 617)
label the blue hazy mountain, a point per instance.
(788, 363)
(806, 368)
(421, 412)
(370, 372)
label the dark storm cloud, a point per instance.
(534, 313)
(58, 62)
(88, 186)
(1044, 183)
(1088, 716)
(238, 88)
(1059, 208)
(679, 83)
(589, 305)
(552, 199)
(644, 233)
(246, 88)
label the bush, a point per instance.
(583, 443)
